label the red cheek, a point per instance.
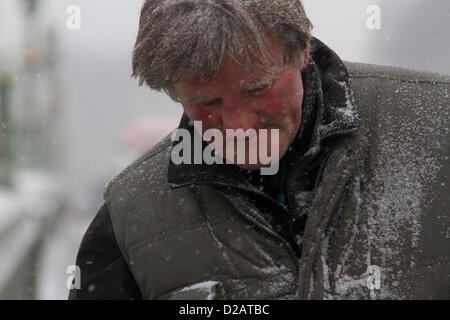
(209, 119)
(272, 103)
(283, 98)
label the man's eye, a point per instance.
(259, 91)
(211, 103)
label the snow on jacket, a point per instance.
(366, 218)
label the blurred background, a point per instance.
(71, 117)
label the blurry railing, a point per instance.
(32, 194)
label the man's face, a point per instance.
(237, 99)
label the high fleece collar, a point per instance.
(328, 109)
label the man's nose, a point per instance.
(238, 116)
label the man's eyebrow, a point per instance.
(267, 79)
(194, 100)
(256, 84)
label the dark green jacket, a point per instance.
(377, 225)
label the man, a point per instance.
(357, 209)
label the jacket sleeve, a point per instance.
(104, 273)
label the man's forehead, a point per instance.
(242, 79)
(194, 92)
(236, 72)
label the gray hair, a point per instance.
(191, 38)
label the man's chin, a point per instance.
(251, 166)
(257, 166)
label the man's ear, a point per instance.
(305, 56)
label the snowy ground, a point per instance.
(60, 251)
(28, 211)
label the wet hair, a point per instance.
(178, 39)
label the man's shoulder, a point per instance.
(389, 97)
(151, 163)
(374, 71)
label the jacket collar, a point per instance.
(328, 109)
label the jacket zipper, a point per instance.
(263, 227)
(250, 218)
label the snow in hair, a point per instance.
(177, 38)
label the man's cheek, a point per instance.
(207, 122)
(199, 115)
(274, 106)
